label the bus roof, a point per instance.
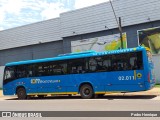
(77, 55)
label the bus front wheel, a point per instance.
(86, 91)
(21, 93)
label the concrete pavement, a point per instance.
(136, 101)
(154, 91)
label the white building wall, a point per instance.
(156, 61)
(1, 75)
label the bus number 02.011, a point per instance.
(126, 78)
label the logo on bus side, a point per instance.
(39, 81)
(33, 81)
(139, 75)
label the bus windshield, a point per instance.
(9, 73)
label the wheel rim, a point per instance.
(21, 93)
(86, 92)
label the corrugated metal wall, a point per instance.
(156, 60)
(95, 18)
(87, 20)
(1, 75)
(132, 39)
(31, 52)
(40, 32)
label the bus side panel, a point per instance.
(72, 82)
(128, 81)
(54, 84)
(50, 84)
(108, 81)
(93, 79)
(9, 89)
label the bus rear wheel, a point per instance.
(21, 93)
(86, 91)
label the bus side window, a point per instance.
(58, 69)
(77, 66)
(74, 70)
(21, 71)
(30, 72)
(139, 60)
(64, 68)
(81, 69)
(136, 61)
(107, 64)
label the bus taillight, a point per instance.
(149, 77)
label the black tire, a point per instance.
(21, 93)
(86, 91)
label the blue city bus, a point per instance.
(86, 73)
